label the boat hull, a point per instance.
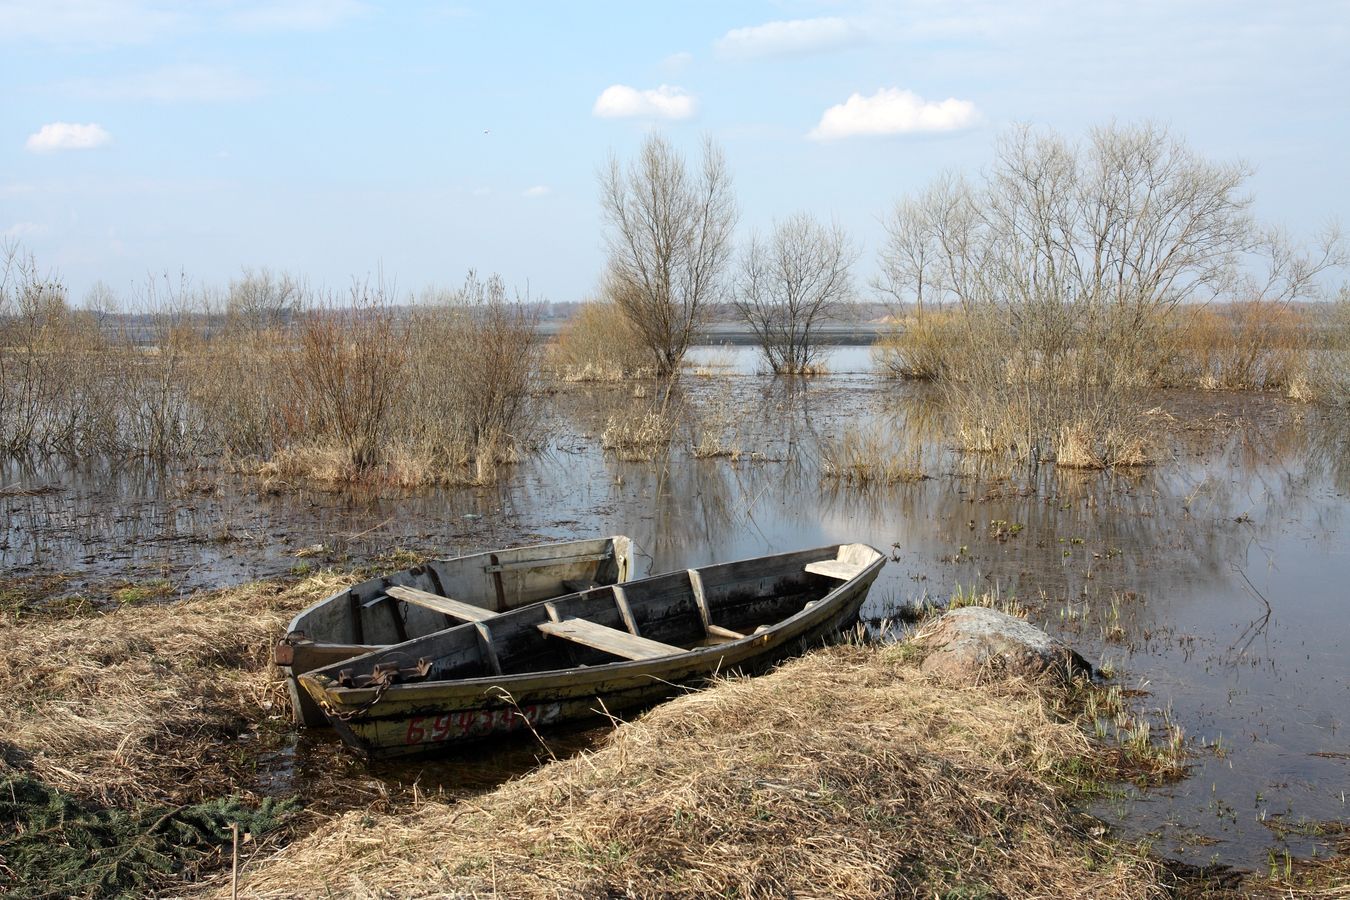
(417, 718)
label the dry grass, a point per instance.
(846, 773)
(638, 435)
(1255, 345)
(716, 433)
(1080, 446)
(599, 343)
(919, 348)
(866, 455)
(143, 703)
(1327, 379)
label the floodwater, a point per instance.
(1215, 583)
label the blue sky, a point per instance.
(333, 138)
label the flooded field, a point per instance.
(1212, 584)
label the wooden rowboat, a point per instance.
(426, 599)
(599, 650)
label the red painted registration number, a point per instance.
(476, 722)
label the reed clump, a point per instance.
(134, 705)
(600, 343)
(1251, 345)
(1328, 375)
(871, 454)
(919, 347)
(640, 435)
(715, 430)
(845, 773)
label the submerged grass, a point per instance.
(844, 773)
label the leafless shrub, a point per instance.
(669, 240)
(261, 300)
(1328, 375)
(920, 347)
(274, 381)
(600, 343)
(243, 384)
(54, 395)
(158, 363)
(473, 362)
(786, 286)
(1254, 345)
(347, 370)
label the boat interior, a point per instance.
(658, 616)
(395, 608)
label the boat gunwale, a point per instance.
(357, 695)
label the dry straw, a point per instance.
(141, 703)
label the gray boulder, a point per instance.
(974, 643)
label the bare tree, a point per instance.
(669, 241)
(930, 254)
(265, 300)
(787, 285)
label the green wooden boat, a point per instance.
(592, 652)
(426, 599)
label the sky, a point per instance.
(341, 138)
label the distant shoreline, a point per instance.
(846, 334)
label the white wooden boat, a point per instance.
(595, 651)
(425, 599)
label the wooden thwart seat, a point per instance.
(705, 614)
(456, 609)
(836, 568)
(610, 640)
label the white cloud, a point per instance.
(112, 22)
(893, 111)
(788, 38)
(87, 21)
(296, 15)
(620, 101)
(677, 62)
(539, 190)
(67, 136)
(24, 229)
(170, 84)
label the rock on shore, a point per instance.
(974, 643)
